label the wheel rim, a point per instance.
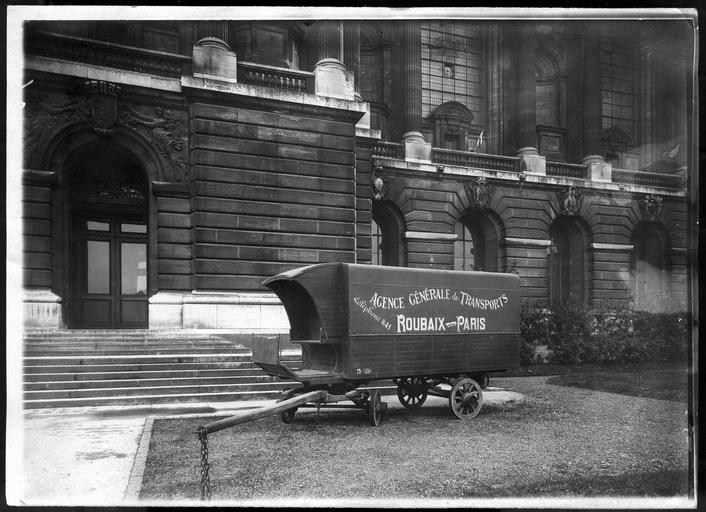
(412, 392)
(374, 409)
(466, 399)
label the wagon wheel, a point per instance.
(412, 391)
(288, 415)
(466, 398)
(374, 408)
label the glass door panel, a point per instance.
(133, 269)
(97, 266)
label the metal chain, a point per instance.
(205, 478)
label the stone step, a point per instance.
(137, 358)
(127, 391)
(155, 382)
(142, 374)
(129, 351)
(139, 366)
(118, 400)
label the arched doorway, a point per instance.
(107, 199)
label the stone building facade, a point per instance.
(169, 167)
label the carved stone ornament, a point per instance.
(651, 207)
(378, 182)
(163, 128)
(570, 201)
(479, 193)
(104, 105)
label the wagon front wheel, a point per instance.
(466, 399)
(412, 392)
(375, 408)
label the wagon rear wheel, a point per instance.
(412, 391)
(375, 408)
(466, 398)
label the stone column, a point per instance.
(324, 41)
(591, 133)
(526, 98)
(525, 119)
(215, 29)
(351, 52)
(325, 48)
(212, 57)
(592, 142)
(407, 80)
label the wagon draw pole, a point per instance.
(204, 430)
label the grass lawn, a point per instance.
(553, 443)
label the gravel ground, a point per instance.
(557, 441)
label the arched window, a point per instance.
(648, 264)
(567, 261)
(464, 257)
(476, 245)
(387, 232)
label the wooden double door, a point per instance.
(109, 267)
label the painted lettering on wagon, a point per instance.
(439, 324)
(418, 297)
(366, 308)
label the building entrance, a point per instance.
(109, 240)
(110, 255)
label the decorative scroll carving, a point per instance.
(570, 201)
(479, 193)
(379, 183)
(43, 121)
(651, 207)
(165, 130)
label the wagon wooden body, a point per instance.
(419, 327)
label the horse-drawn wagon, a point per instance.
(433, 332)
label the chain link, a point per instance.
(205, 478)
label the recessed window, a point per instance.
(448, 70)
(92, 225)
(133, 228)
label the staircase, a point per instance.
(110, 368)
